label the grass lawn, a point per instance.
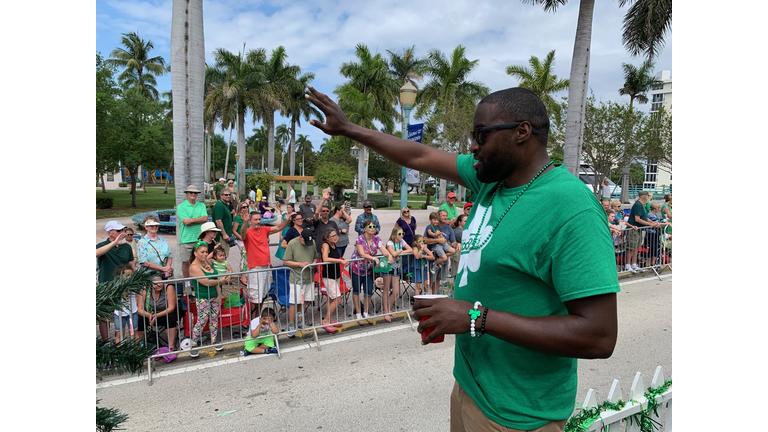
(154, 199)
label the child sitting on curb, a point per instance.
(260, 340)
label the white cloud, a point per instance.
(321, 36)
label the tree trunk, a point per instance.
(241, 151)
(168, 177)
(578, 88)
(133, 186)
(626, 165)
(187, 79)
(360, 176)
(443, 191)
(270, 119)
(103, 186)
(226, 158)
(292, 150)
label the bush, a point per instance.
(104, 202)
(264, 180)
(334, 176)
(123, 184)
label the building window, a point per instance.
(111, 177)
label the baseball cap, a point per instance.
(643, 193)
(308, 235)
(451, 195)
(222, 179)
(308, 197)
(151, 222)
(467, 205)
(367, 204)
(114, 225)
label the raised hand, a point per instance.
(335, 119)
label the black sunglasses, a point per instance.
(479, 133)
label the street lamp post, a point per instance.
(407, 99)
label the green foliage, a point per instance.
(108, 419)
(335, 176)
(264, 180)
(429, 188)
(104, 202)
(378, 201)
(383, 171)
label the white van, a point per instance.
(587, 175)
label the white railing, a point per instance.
(648, 409)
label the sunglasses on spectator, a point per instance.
(479, 133)
(226, 194)
(370, 226)
(401, 234)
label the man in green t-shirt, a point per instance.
(221, 184)
(638, 217)
(299, 254)
(110, 254)
(528, 300)
(450, 208)
(191, 215)
(222, 217)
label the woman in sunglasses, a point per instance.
(206, 288)
(395, 246)
(367, 246)
(408, 225)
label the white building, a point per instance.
(660, 97)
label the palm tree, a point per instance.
(303, 145)
(370, 94)
(277, 77)
(296, 108)
(238, 81)
(282, 137)
(540, 80)
(260, 142)
(140, 68)
(188, 63)
(645, 25)
(637, 83)
(579, 75)
(449, 92)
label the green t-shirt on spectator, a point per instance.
(637, 209)
(451, 210)
(185, 210)
(221, 212)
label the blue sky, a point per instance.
(320, 36)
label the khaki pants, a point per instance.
(467, 416)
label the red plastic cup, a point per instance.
(426, 332)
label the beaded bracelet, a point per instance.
(474, 314)
(482, 326)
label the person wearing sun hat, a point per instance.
(110, 254)
(191, 215)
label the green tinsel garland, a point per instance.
(587, 416)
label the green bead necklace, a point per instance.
(473, 245)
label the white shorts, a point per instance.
(332, 288)
(258, 283)
(299, 293)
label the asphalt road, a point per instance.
(371, 378)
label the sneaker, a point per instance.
(244, 353)
(628, 268)
(291, 330)
(635, 267)
(218, 347)
(194, 353)
(270, 350)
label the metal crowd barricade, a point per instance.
(654, 252)
(234, 320)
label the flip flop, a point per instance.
(330, 329)
(336, 324)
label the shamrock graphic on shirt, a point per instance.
(470, 259)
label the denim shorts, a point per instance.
(365, 281)
(121, 322)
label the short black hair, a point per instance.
(520, 104)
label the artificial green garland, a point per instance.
(587, 416)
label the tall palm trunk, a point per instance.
(188, 80)
(226, 158)
(361, 182)
(292, 150)
(578, 87)
(270, 119)
(241, 151)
